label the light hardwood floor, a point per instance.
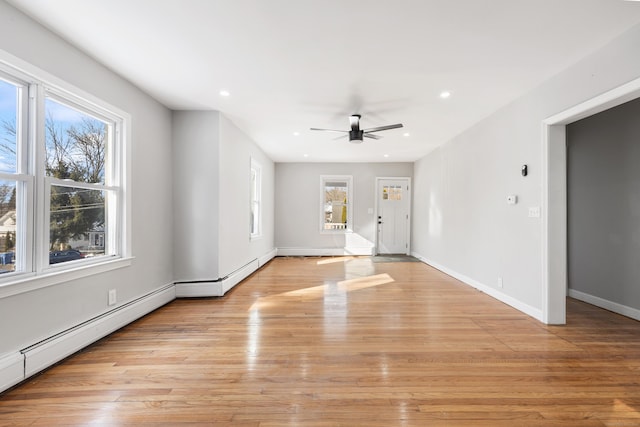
(343, 342)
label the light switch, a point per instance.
(370, 211)
(534, 212)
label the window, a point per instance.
(61, 178)
(392, 192)
(77, 180)
(336, 202)
(255, 196)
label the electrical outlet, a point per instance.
(534, 212)
(112, 297)
(500, 284)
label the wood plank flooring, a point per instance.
(344, 342)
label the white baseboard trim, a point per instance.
(11, 370)
(56, 348)
(624, 310)
(364, 251)
(518, 305)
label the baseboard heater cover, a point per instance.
(215, 287)
(11, 370)
(45, 353)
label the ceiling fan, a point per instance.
(356, 134)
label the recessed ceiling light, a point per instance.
(386, 155)
(445, 94)
(406, 134)
(305, 155)
(224, 93)
(296, 134)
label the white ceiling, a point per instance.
(294, 64)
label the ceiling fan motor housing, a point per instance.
(355, 136)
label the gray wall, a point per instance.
(604, 204)
(297, 202)
(236, 152)
(30, 317)
(212, 160)
(196, 150)
(461, 219)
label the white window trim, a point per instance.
(349, 180)
(258, 168)
(38, 82)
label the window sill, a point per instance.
(29, 281)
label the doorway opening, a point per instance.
(554, 196)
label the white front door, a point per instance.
(394, 195)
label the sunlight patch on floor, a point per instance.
(316, 292)
(620, 406)
(365, 282)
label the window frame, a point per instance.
(348, 179)
(257, 200)
(24, 180)
(113, 216)
(36, 86)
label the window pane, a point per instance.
(8, 226)
(8, 120)
(255, 199)
(335, 205)
(392, 192)
(254, 184)
(75, 144)
(255, 215)
(77, 223)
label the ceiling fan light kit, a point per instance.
(357, 135)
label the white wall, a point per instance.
(30, 317)
(462, 222)
(297, 204)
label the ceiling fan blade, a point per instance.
(354, 121)
(366, 135)
(378, 129)
(330, 130)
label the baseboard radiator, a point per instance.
(19, 366)
(219, 287)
